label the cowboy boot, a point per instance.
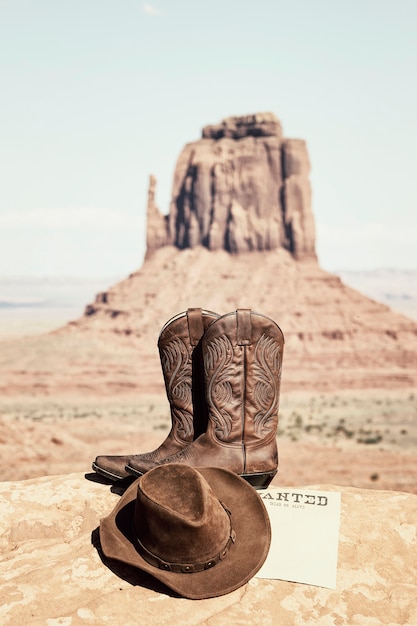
(180, 353)
(242, 353)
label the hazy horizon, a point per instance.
(43, 303)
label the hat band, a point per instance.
(185, 568)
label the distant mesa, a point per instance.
(241, 188)
(240, 206)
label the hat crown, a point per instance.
(121, 532)
(178, 518)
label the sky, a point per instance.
(96, 95)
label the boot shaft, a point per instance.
(242, 357)
(242, 354)
(180, 354)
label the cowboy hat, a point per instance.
(203, 533)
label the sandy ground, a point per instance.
(358, 438)
(363, 438)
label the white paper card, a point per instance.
(305, 535)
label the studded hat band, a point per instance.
(185, 568)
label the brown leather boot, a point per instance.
(242, 353)
(180, 352)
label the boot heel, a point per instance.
(260, 480)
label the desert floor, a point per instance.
(357, 438)
(362, 438)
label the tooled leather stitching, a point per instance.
(219, 371)
(176, 364)
(183, 455)
(267, 372)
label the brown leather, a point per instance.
(195, 325)
(180, 354)
(203, 533)
(242, 354)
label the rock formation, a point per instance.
(53, 572)
(335, 337)
(156, 223)
(240, 188)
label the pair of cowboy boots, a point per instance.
(222, 377)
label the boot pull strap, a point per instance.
(244, 327)
(195, 325)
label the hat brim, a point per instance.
(250, 521)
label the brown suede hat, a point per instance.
(203, 533)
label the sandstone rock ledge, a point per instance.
(50, 572)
